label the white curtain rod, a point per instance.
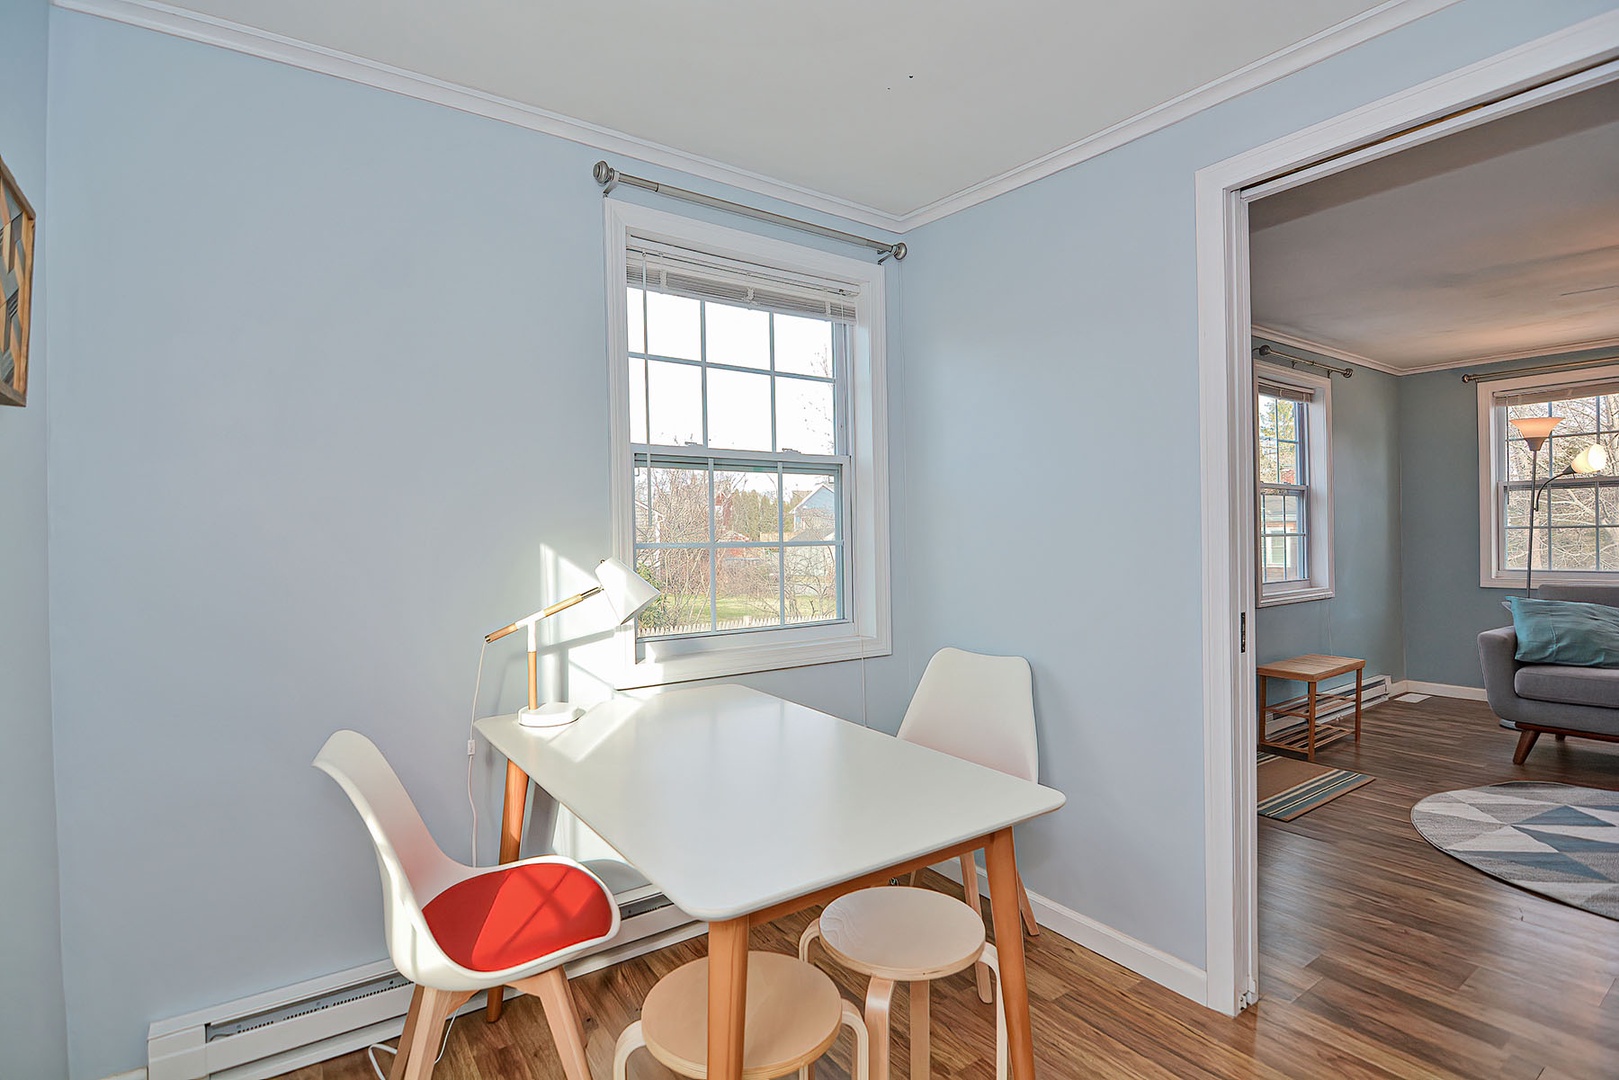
(609, 177)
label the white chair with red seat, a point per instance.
(455, 930)
(981, 709)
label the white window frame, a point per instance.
(866, 629)
(1318, 507)
(1492, 433)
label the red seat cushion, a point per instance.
(507, 918)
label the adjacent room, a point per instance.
(589, 543)
(1416, 318)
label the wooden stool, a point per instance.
(1310, 670)
(903, 934)
(793, 1016)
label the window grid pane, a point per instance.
(737, 544)
(1281, 428)
(1575, 527)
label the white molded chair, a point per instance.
(794, 1012)
(454, 930)
(981, 709)
(903, 934)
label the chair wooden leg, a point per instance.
(862, 1042)
(921, 1031)
(1001, 1065)
(562, 1015)
(1025, 908)
(969, 889)
(629, 1042)
(1526, 743)
(879, 1002)
(402, 1055)
(437, 1007)
(811, 932)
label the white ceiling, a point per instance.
(1494, 242)
(891, 106)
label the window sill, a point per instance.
(1297, 596)
(1513, 580)
(722, 657)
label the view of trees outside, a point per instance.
(734, 541)
(1282, 491)
(1578, 524)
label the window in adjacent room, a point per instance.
(1577, 527)
(1292, 423)
(749, 447)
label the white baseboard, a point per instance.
(1168, 971)
(1462, 693)
(132, 1074)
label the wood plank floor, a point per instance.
(1381, 956)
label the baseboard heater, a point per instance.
(281, 1030)
(1373, 691)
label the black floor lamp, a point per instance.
(1594, 458)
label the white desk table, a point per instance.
(742, 808)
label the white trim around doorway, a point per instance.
(1524, 74)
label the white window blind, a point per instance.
(1281, 390)
(1542, 395)
(666, 269)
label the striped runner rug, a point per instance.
(1288, 787)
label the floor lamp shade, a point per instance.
(1535, 429)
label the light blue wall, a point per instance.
(1445, 607)
(1363, 618)
(330, 373)
(32, 1039)
(1040, 328)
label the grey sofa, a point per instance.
(1551, 698)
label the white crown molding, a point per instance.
(1346, 356)
(1449, 365)
(1521, 354)
(238, 37)
(1268, 69)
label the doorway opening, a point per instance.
(1234, 490)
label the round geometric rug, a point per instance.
(1553, 839)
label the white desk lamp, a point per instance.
(625, 591)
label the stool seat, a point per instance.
(793, 1014)
(903, 934)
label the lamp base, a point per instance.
(551, 714)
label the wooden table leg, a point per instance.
(1001, 857)
(1358, 673)
(727, 996)
(1309, 724)
(511, 842)
(1262, 712)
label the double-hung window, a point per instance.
(1292, 424)
(1576, 530)
(748, 435)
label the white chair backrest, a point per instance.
(978, 708)
(414, 869)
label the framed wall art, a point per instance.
(16, 288)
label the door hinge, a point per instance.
(1243, 633)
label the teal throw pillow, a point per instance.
(1565, 632)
